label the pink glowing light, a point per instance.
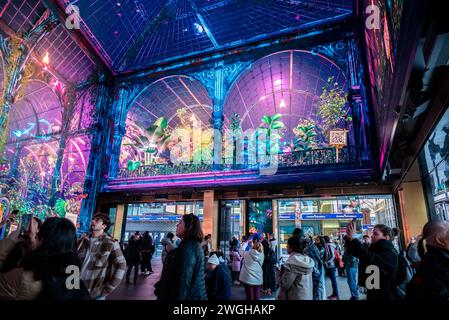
(57, 86)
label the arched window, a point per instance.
(166, 105)
(296, 84)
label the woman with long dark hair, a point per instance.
(183, 275)
(42, 274)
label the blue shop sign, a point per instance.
(322, 216)
(286, 217)
(158, 218)
(315, 216)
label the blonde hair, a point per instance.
(258, 246)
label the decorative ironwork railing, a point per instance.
(323, 156)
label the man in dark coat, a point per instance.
(218, 280)
(133, 256)
(147, 252)
(431, 282)
(381, 254)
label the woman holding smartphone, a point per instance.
(26, 243)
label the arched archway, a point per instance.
(179, 100)
(289, 83)
(37, 114)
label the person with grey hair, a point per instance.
(431, 281)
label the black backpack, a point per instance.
(404, 275)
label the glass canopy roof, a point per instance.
(135, 34)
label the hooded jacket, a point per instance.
(296, 279)
(252, 273)
(218, 284)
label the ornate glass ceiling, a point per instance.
(135, 34)
(65, 55)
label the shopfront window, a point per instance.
(330, 216)
(158, 218)
(435, 169)
(231, 223)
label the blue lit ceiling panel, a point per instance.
(135, 34)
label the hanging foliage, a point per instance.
(331, 106)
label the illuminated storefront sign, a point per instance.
(319, 216)
(158, 218)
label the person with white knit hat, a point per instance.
(213, 260)
(218, 280)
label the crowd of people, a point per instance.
(419, 273)
(138, 253)
(34, 265)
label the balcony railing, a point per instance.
(316, 157)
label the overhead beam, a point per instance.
(307, 35)
(436, 111)
(79, 38)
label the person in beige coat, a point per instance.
(296, 275)
(16, 284)
(55, 251)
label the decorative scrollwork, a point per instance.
(336, 51)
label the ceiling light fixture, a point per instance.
(46, 60)
(282, 104)
(198, 27)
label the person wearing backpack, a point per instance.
(329, 262)
(381, 254)
(318, 280)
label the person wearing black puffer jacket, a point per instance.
(382, 254)
(431, 282)
(183, 275)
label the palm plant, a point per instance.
(272, 123)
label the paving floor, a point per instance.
(144, 287)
